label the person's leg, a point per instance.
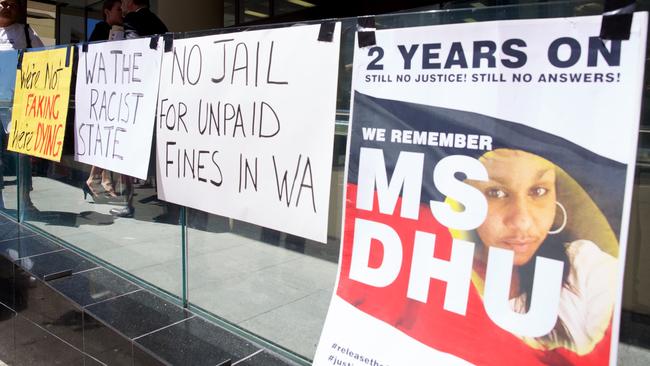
(25, 163)
(129, 209)
(107, 183)
(129, 195)
(93, 180)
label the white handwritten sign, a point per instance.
(246, 127)
(117, 85)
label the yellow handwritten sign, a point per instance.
(40, 104)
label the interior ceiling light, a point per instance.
(256, 14)
(301, 3)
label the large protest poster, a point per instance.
(488, 195)
(115, 104)
(8, 61)
(245, 126)
(40, 107)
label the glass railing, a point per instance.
(268, 284)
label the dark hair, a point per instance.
(144, 3)
(108, 5)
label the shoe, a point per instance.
(88, 189)
(122, 212)
(96, 196)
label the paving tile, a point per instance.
(13, 231)
(145, 358)
(42, 265)
(53, 312)
(27, 246)
(5, 220)
(90, 361)
(105, 344)
(137, 314)
(244, 297)
(36, 347)
(196, 342)
(266, 358)
(134, 256)
(93, 286)
(166, 276)
(7, 282)
(7, 345)
(304, 317)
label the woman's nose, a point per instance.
(519, 214)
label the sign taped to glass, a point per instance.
(487, 195)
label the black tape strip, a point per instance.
(367, 39)
(617, 19)
(227, 362)
(57, 275)
(616, 27)
(153, 43)
(366, 22)
(84, 47)
(67, 56)
(169, 41)
(613, 5)
(366, 31)
(326, 32)
(19, 65)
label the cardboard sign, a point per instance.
(115, 105)
(40, 106)
(487, 195)
(246, 126)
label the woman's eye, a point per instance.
(496, 193)
(538, 191)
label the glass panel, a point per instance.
(145, 243)
(42, 18)
(256, 10)
(71, 25)
(269, 283)
(273, 284)
(8, 164)
(291, 6)
(229, 13)
(8, 160)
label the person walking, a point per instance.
(139, 21)
(112, 13)
(15, 36)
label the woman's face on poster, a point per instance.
(521, 202)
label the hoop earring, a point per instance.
(564, 220)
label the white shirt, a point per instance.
(13, 37)
(586, 300)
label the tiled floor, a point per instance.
(234, 272)
(87, 315)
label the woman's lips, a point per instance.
(518, 245)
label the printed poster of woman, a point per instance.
(548, 201)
